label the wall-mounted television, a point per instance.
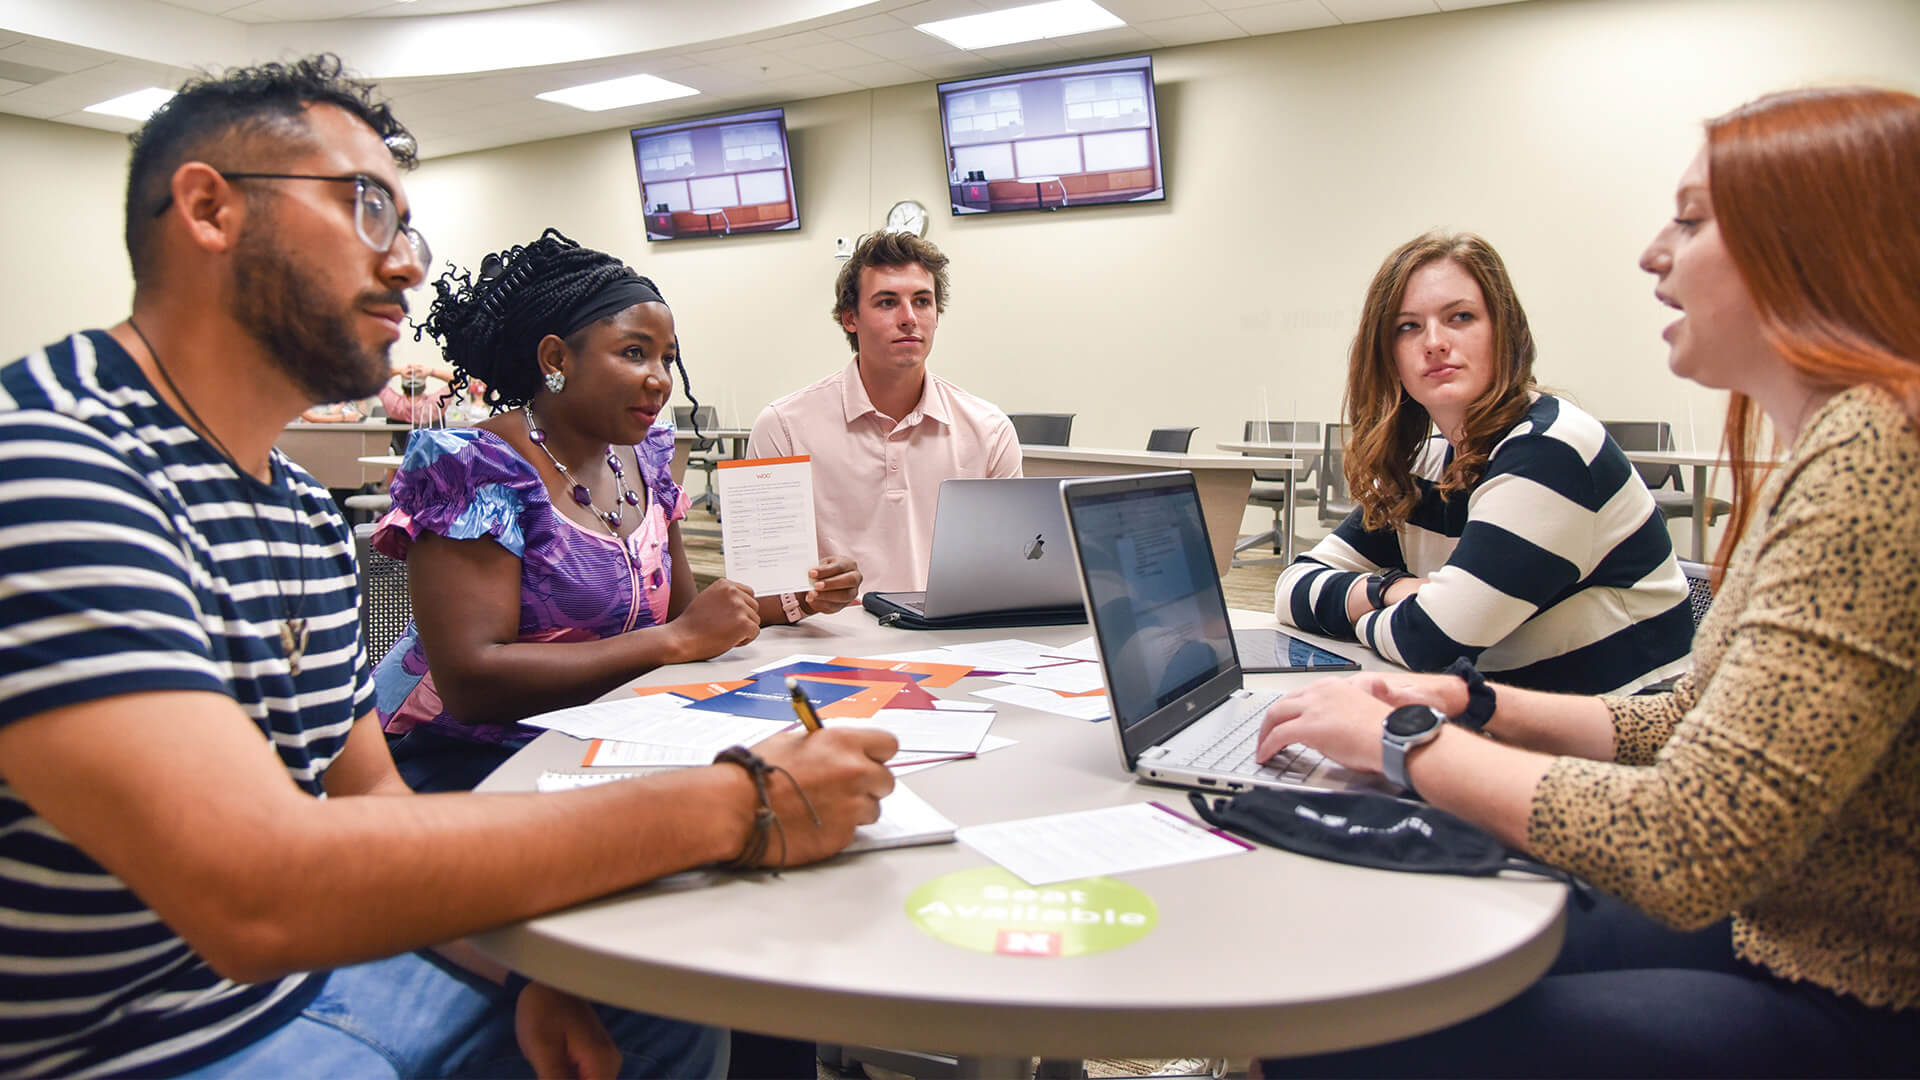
(719, 176)
(1076, 135)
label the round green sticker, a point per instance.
(987, 909)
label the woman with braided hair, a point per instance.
(542, 545)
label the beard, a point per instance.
(282, 308)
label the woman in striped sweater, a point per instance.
(1519, 537)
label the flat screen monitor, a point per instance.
(1077, 135)
(719, 176)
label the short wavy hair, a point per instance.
(244, 104)
(886, 249)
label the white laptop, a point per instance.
(1180, 711)
(999, 545)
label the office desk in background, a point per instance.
(331, 452)
(1287, 458)
(1223, 481)
(683, 440)
(1699, 461)
(1256, 954)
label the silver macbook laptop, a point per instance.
(998, 545)
(1180, 711)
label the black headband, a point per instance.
(615, 296)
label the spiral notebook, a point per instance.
(905, 818)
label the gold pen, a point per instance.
(802, 707)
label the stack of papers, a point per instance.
(1090, 843)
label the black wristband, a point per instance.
(1479, 695)
(1378, 582)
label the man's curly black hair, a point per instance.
(214, 115)
(490, 329)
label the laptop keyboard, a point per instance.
(1233, 751)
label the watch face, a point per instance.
(1412, 720)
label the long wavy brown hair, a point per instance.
(1387, 425)
(1814, 192)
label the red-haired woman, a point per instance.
(1757, 824)
(1518, 538)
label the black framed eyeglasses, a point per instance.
(376, 216)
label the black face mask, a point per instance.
(1370, 829)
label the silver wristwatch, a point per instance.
(1407, 727)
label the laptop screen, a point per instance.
(1152, 593)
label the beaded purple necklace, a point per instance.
(580, 493)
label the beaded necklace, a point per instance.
(610, 518)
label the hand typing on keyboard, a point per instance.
(1336, 717)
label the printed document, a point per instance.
(1090, 843)
(767, 533)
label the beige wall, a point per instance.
(1294, 163)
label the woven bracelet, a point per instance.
(766, 823)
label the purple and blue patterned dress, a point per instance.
(575, 582)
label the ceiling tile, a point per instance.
(882, 74)
(932, 10)
(833, 56)
(812, 84)
(1353, 11)
(1024, 54)
(211, 7)
(1191, 29)
(51, 54)
(8, 86)
(1283, 17)
(872, 24)
(960, 66)
(19, 105)
(1139, 11)
(762, 68)
(1456, 5)
(1101, 42)
(904, 45)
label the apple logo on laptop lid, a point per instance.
(1036, 547)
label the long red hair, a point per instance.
(1814, 192)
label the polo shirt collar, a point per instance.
(855, 403)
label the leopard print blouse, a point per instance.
(1780, 780)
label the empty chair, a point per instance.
(1170, 440)
(1674, 502)
(385, 605)
(1270, 485)
(704, 454)
(1331, 488)
(1042, 428)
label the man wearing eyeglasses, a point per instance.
(207, 848)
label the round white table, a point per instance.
(1265, 953)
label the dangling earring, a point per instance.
(556, 382)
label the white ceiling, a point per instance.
(463, 73)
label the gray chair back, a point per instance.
(1171, 440)
(385, 605)
(687, 418)
(1285, 431)
(1699, 588)
(1647, 435)
(1042, 428)
(1331, 487)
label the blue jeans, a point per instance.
(1629, 997)
(406, 1016)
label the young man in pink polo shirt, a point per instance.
(883, 431)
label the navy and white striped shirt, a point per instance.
(134, 558)
(1554, 572)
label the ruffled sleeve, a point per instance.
(462, 483)
(655, 455)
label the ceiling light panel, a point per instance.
(135, 106)
(1060, 18)
(615, 93)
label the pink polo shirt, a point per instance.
(876, 483)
